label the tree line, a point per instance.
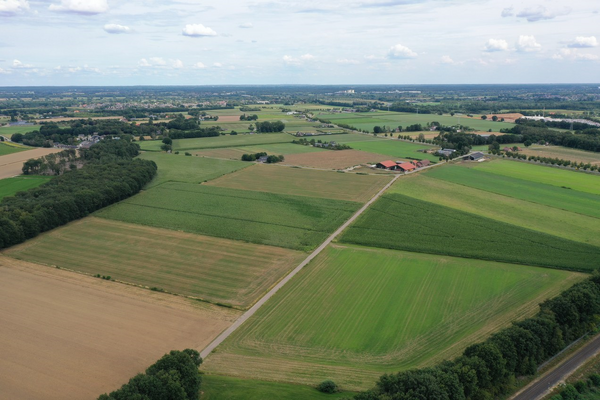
(174, 377)
(269, 126)
(109, 174)
(489, 369)
(270, 159)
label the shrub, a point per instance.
(595, 378)
(327, 386)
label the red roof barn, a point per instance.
(406, 166)
(387, 164)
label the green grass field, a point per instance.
(11, 148)
(219, 141)
(304, 182)
(180, 168)
(567, 198)
(235, 153)
(8, 131)
(217, 270)
(541, 174)
(295, 222)
(395, 149)
(354, 313)
(394, 119)
(216, 387)
(10, 186)
(526, 214)
(400, 222)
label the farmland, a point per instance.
(235, 153)
(220, 141)
(565, 198)
(8, 131)
(217, 270)
(87, 335)
(10, 186)
(395, 149)
(304, 182)
(562, 153)
(295, 222)
(216, 387)
(12, 164)
(392, 120)
(430, 228)
(372, 311)
(10, 149)
(333, 159)
(179, 168)
(526, 214)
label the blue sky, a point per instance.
(185, 42)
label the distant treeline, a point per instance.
(490, 369)
(269, 126)
(109, 174)
(174, 377)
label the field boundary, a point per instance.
(244, 317)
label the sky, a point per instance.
(186, 42)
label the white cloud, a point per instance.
(86, 7)
(583, 42)
(289, 60)
(400, 52)
(508, 12)
(540, 13)
(197, 30)
(144, 63)
(4, 71)
(199, 65)
(152, 62)
(347, 61)
(568, 54)
(528, 44)
(447, 60)
(157, 61)
(116, 28)
(495, 45)
(217, 65)
(177, 64)
(247, 25)
(307, 57)
(12, 7)
(19, 65)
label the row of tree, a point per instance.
(489, 369)
(588, 139)
(109, 175)
(245, 117)
(270, 159)
(174, 377)
(553, 161)
(51, 164)
(267, 126)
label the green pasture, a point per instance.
(296, 222)
(355, 313)
(550, 220)
(565, 198)
(8, 149)
(395, 149)
(220, 141)
(8, 131)
(542, 174)
(181, 168)
(400, 222)
(215, 387)
(10, 186)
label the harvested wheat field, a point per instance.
(229, 118)
(69, 336)
(334, 159)
(12, 164)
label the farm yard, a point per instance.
(304, 182)
(10, 186)
(528, 187)
(294, 222)
(430, 228)
(523, 213)
(372, 311)
(76, 336)
(217, 270)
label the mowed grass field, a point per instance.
(295, 222)
(372, 311)
(10, 149)
(395, 149)
(235, 153)
(220, 141)
(304, 182)
(215, 387)
(89, 336)
(8, 131)
(497, 179)
(181, 168)
(213, 269)
(337, 160)
(400, 222)
(10, 186)
(564, 153)
(550, 220)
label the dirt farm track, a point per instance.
(69, 336)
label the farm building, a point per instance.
(446, 152)
(475, 156)
(421, 164)
(406, 166)
(387, 165)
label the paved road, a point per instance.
(543, 385)
(204, 353)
